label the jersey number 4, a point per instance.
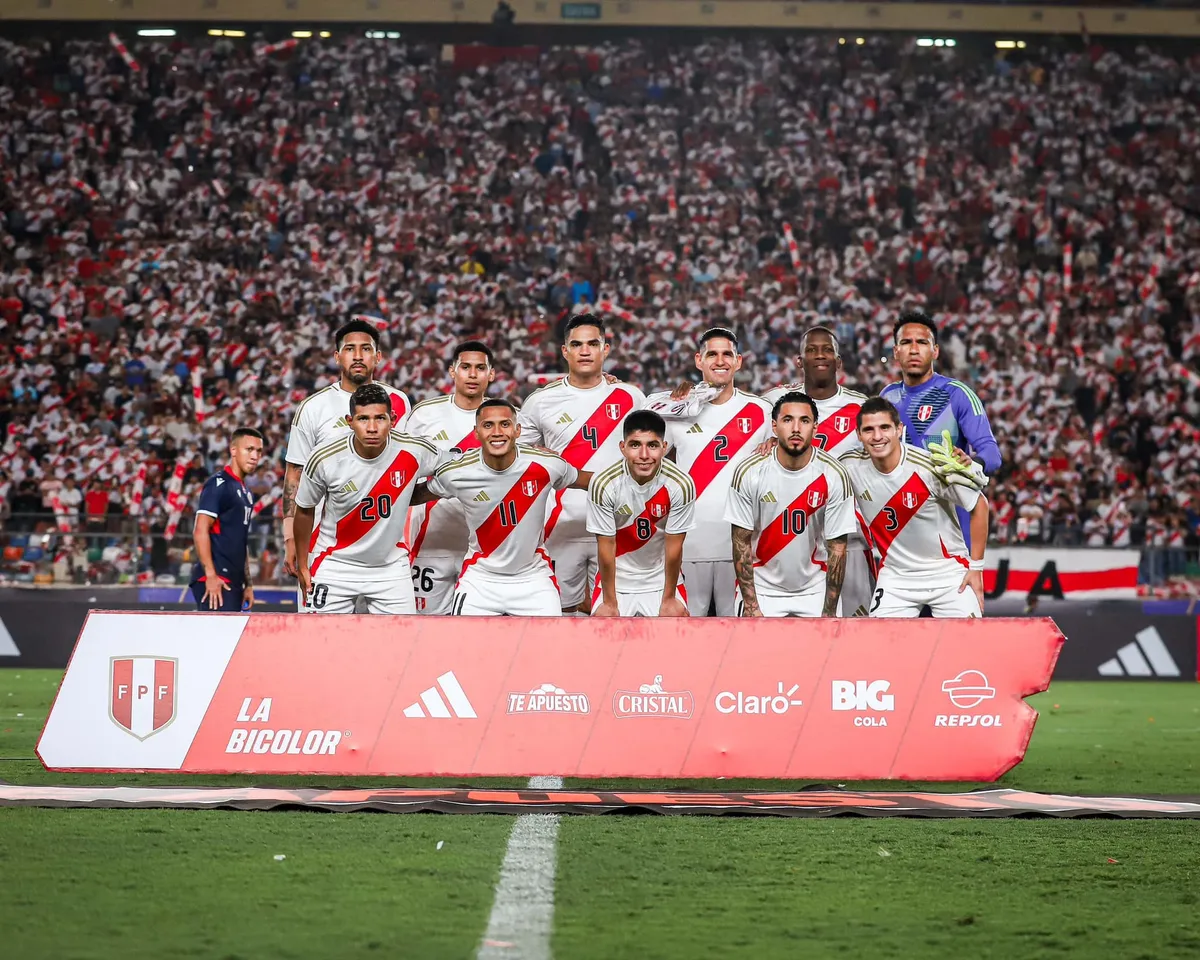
(373, 508)
(591, 435)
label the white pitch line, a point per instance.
(522, 917)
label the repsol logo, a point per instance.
(967, 720)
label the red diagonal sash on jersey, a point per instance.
(657, 508)
(469, 442)
(352, 527)
(782, 530)
(897, 512)
(836, 427)
(508, 512)
(724, 444)
(590, 438)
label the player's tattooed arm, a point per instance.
(422, 494)
(743, 567)
(835, 575)
(291, 483)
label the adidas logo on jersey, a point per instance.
(442, 436)
(350, 487)
(481, 497)
(565, 418)
(769, 497)
(866, 494)
(624, 510)
(695, 428)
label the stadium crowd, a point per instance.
(178, 242)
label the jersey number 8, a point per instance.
(642, 528)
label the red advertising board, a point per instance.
(687, 698)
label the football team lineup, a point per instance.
(593, 498)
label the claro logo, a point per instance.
(737, 701)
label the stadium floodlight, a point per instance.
(925, 42)
(325, 34)
(226, 33)
(1020, 44)
(302, 34)
(1006, 44)
(952, 43)
(393, 35)
(156, 32)
(939, 42)
(842, 41)
(859, 40)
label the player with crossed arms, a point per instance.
(321, 417)
(909, 505)
(820, 362)
(440, 539)
(640, 509)
(366, 481)
(713, 429)
(503, 488)
(578, 417)
(783, 507)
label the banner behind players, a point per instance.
(283, 693)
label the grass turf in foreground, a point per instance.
(675, 888)
(133, 884)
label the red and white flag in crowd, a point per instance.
(174, 495)
(138, 492)
(267, 49)
(86, 189)
(267, 500)
(120, 47)
(793, 249)
(611, 306)
(1068, 260)
(198, 396)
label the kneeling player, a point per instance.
(785, 508)
(910, 513)
(366, 481)
(503, 488)
(640, 509)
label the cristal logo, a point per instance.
(735, 701)
(653, 700)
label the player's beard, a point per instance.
(793, 451)
(358, 377)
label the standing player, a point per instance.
(365, 480)
(640, 509)
(321, 417)
(440, 541)
(783, 507)
(909, 510)
(820, 362)
(504, 488)
(578, 417)
(712, 431)
(931, 404)
(221, 575)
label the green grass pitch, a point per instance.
(83, 884)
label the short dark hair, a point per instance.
(473, 346)
(584, 320)
(712, 333)
(795, 396)
(369, 395)
(356, 324)
(878, 405)
(646, 420)
(495, 402)
(914, 316)
(821, 328)
(245, 432)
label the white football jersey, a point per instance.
(837, 418)
(584, 426)
(322, 418)
(639, 516)
(910, 516)
(440, 527)
(505, 509)
(791, 513)
(365, 501)
(709, 447)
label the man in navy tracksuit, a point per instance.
(221, 575)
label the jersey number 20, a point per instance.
(373, 508)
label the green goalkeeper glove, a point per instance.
(950, 469)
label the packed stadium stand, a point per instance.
(197, 228)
